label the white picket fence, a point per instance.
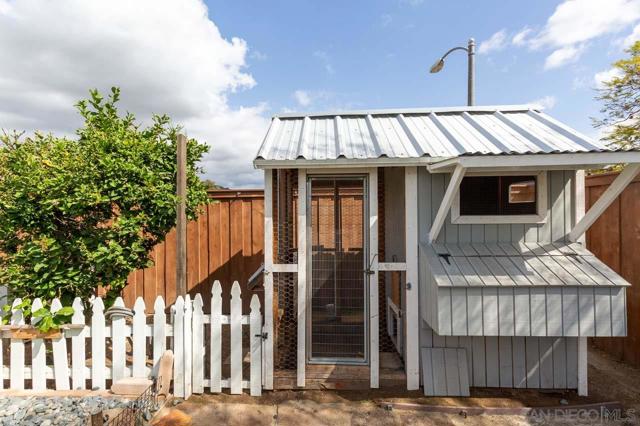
(185, 331)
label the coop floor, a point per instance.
(345, 377)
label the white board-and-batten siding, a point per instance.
(514, 362)
(504, 307)
(514, 336)
(523, 311)
(431, 189)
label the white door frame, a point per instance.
(373, 260)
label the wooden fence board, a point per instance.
(615, 238)
(225, 243)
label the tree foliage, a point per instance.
(79, 213)
(621, 102)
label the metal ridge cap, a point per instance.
(409, 111)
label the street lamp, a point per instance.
(471, 51)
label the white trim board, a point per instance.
(579, 160)
(302, 278)
(412, 287)
(575, 160)
(285, 267)
(450, 195)
(374, 314)
(392, 266)
(541, 204)
(267, 359)
(610, 194)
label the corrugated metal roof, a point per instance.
(415, 133)
(518, 264)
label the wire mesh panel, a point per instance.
(385, 342)
(338, 291)
(285, 186)
(138, 411)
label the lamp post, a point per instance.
(471, 52)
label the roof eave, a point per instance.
(301, 163)
(574, 160)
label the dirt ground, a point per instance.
(609, 381)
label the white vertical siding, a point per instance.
(514, 336)
(522, 311)
(518, 362)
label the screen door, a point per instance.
(338, 282)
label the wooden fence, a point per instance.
(615, 239)
(225, 243)
(104, 350)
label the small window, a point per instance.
(498, 196)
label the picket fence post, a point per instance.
(236, 339)
(59, 345)
(255, 333)
(78, 358)
(97, 344)
(197, 350)
(216, 338)
(159, 333)
(38, 354)
(118, 343)
(186, 348)
(139, 339)
(188, 339)
(17, 350)
(178, 348)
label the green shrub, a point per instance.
(80, 213)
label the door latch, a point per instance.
(263, 335)
(369, 271)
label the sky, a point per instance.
(223, 68)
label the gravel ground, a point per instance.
(48, 411)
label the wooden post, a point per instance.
(181, 216)
(97, 418)
(374, 314)
(302, 277)
(412, 315)
(579, 209)
(268, 279)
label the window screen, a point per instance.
(498, 195)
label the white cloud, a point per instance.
(576, 22)
(564, 55)
(632, 38)
(302, 97)
(496, 42)
(167, 56)
(520, 38)
(603, 76)
(546, 102)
